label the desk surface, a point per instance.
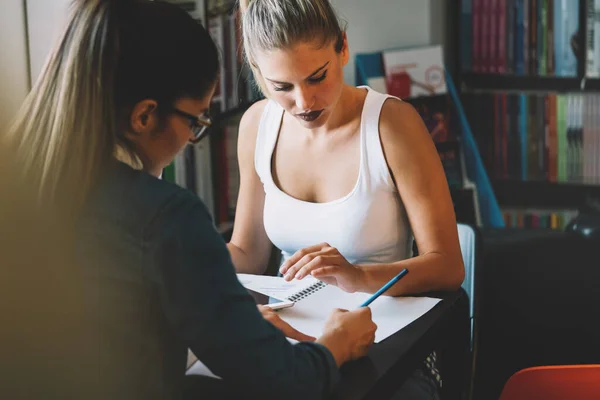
(391, 361)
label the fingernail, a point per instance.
(298, 276)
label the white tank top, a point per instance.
(368, 225)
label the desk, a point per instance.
(390, 362)
(445, 328)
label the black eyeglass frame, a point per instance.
(198, 125)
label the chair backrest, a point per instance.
(470, 241)
(558, 382)
(470, 244)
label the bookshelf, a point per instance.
(536, 66)
(209, 168)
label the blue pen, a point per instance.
(385, 287)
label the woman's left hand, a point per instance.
(326, 264)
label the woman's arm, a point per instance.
(249, 247)
(209, 311)
(419, 176)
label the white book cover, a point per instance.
(414, 72)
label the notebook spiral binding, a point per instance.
(307, 292)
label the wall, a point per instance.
(375, 25)
(14, 80)
(46, 19)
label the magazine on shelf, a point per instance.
(414, 72)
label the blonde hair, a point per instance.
(279, 24)
(66, 125)
(112, 54)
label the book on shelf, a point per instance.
(532, 136)
(414, 72)
(522, 37)
(538, 218)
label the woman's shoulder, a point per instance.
(248, 129)
(401, 129)
(396, 117)
(139, 199)
(251, 118)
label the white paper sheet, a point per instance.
(309, 314)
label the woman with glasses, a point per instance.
(198, 125)
(126, 89)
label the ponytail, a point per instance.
(65, 128)
(112, 54)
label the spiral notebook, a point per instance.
(314, 300)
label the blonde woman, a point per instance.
(125, 90)
(339, 178)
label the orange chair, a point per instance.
(560, 382)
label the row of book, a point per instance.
(549, 137)
(537, 218)
(521, 37)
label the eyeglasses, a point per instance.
(198, 125)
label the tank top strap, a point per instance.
(376, 167)
(268, 131)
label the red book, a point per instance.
(399, 84)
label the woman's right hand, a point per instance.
(348, 334)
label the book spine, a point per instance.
(591, 70)
(550, 37)
(485, 35)
(561, 137)
(501, 38)
(542, 32)
(552, 140)
(476, 35)
(523, 114)
(533, 35)
(526, 28)
(519, 38)
(466, 40)
(510, 35)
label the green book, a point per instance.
(561, 137)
